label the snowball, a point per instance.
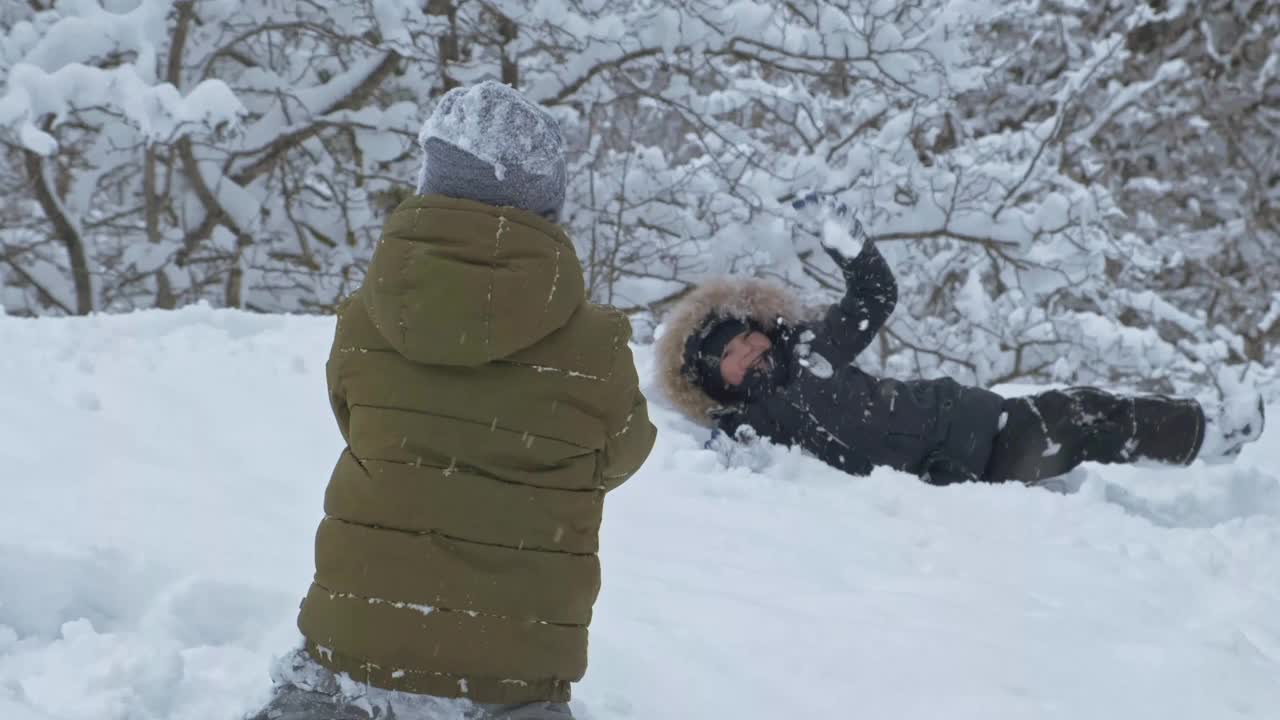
(819, 366)
(836, 236)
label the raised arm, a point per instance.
(871, 293)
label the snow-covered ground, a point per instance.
(161, 476)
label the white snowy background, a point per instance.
(1069, 192)
(162, 476)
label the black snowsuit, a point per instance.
(944, 432)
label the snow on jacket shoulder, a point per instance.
(487, 408)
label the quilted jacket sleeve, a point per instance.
(870, 297)
(632, 436)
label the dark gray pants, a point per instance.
(1049, 434)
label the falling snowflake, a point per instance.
(818, 365)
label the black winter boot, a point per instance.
(1236, 424)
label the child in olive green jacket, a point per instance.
(487, 408)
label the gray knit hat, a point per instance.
(488, 143)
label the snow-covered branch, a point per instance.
(1067, 191)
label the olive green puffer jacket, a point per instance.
(487, 409)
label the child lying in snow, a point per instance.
(737, 356)
(487, 408)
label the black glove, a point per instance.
(835, 225)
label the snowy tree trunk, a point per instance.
(65, 228)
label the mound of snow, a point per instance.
(163, 476)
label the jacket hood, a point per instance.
(744, 298)
(456, 282)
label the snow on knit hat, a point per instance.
(490, 144)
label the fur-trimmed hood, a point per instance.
(744, 298)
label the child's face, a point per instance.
(743, 354)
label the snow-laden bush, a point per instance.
(1067, 191)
